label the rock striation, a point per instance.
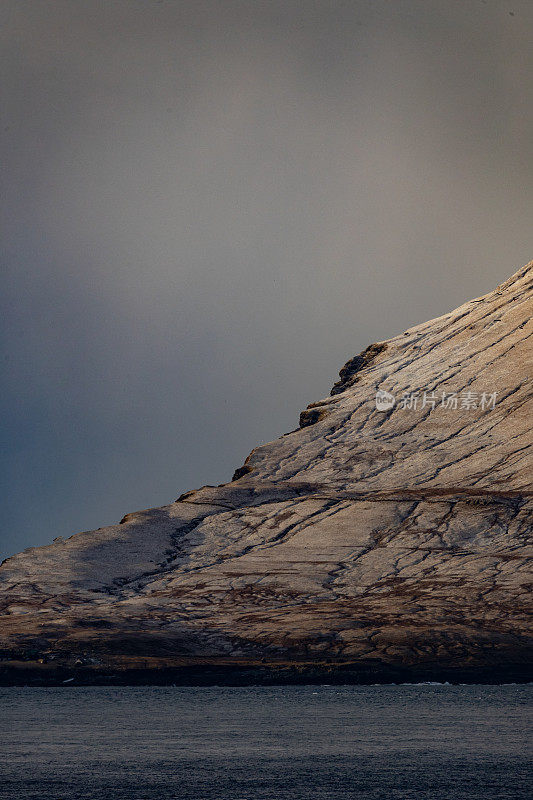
(367, 545)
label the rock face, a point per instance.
(366, 545)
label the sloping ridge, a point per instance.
(368, 545)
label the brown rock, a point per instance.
(366, 545)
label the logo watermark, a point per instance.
(451, 401)
(384, 400)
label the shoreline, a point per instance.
(222, 673)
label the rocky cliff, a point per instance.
(385, 539)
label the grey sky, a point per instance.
(211, 206)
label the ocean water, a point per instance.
(423, 742)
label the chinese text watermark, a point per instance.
(454, 401)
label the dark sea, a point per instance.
(410, 742)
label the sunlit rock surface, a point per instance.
(368, 544)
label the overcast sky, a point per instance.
(210, 206)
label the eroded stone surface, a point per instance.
(399, 537)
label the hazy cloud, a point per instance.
(210, 206)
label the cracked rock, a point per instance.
(368, 544)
